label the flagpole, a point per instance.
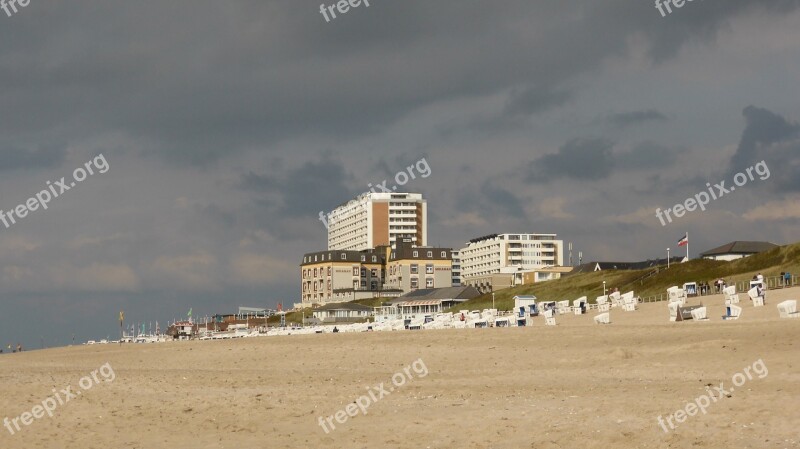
(687, 246)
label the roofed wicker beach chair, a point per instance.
(732, 313)
(700, 314)
(758, 301)
(730, 295)
(602, 303)
(603, 318)
(788, 309)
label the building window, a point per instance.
(355, 271)
(415, 254)
(344, 256)
(373, 272)
(355, 285)
(315, 272)
(373, 285)
(414, 268)
(429, 282)
(429, 268)
(444, 254)
(430, 254)
(329, 284)
(414, 284)
(363, 284)
(374, 258)
(329, 271)
(363, 272)
(363, 258)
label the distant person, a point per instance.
(19, 347)
(787, 279)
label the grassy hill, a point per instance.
(648, 282)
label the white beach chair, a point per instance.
(758, 301)
(603, 318)
(602, 303)
(549, 317)
(677, 294)
(628, 302)
(614, 298)
(563, 307)
(673, 310)
(579, 305)
(733, 313)
(730, 295)
(788, 309)
(699, 314)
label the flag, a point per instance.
(684, 240)
(190, 313)
(121, 316)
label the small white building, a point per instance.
(342, 313)
(737, 250)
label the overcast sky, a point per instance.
(228, 126)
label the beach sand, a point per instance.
(576, 385)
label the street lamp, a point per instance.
(493, 300)
(667, 257)
(604, 288)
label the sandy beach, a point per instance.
(574, 385)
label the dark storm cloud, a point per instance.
(631, 118)
(775, 140)
(583, 159)
(195, 100)
(304, 190)
(649, 155)
(594, 160)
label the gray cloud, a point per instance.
(631, 118)
(775, 140)
(582, 159)
(51, 156)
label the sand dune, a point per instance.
(576, 385)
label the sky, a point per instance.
(215, 133)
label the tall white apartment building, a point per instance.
(494, 254)
(376, 219)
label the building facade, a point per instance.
(412, 267)
(324, 273)
(378, 219)
(456, 255)
(485, 257)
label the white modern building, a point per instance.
(456, 270)
(494, 254)
(378, 219)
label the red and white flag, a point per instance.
(684, 240)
